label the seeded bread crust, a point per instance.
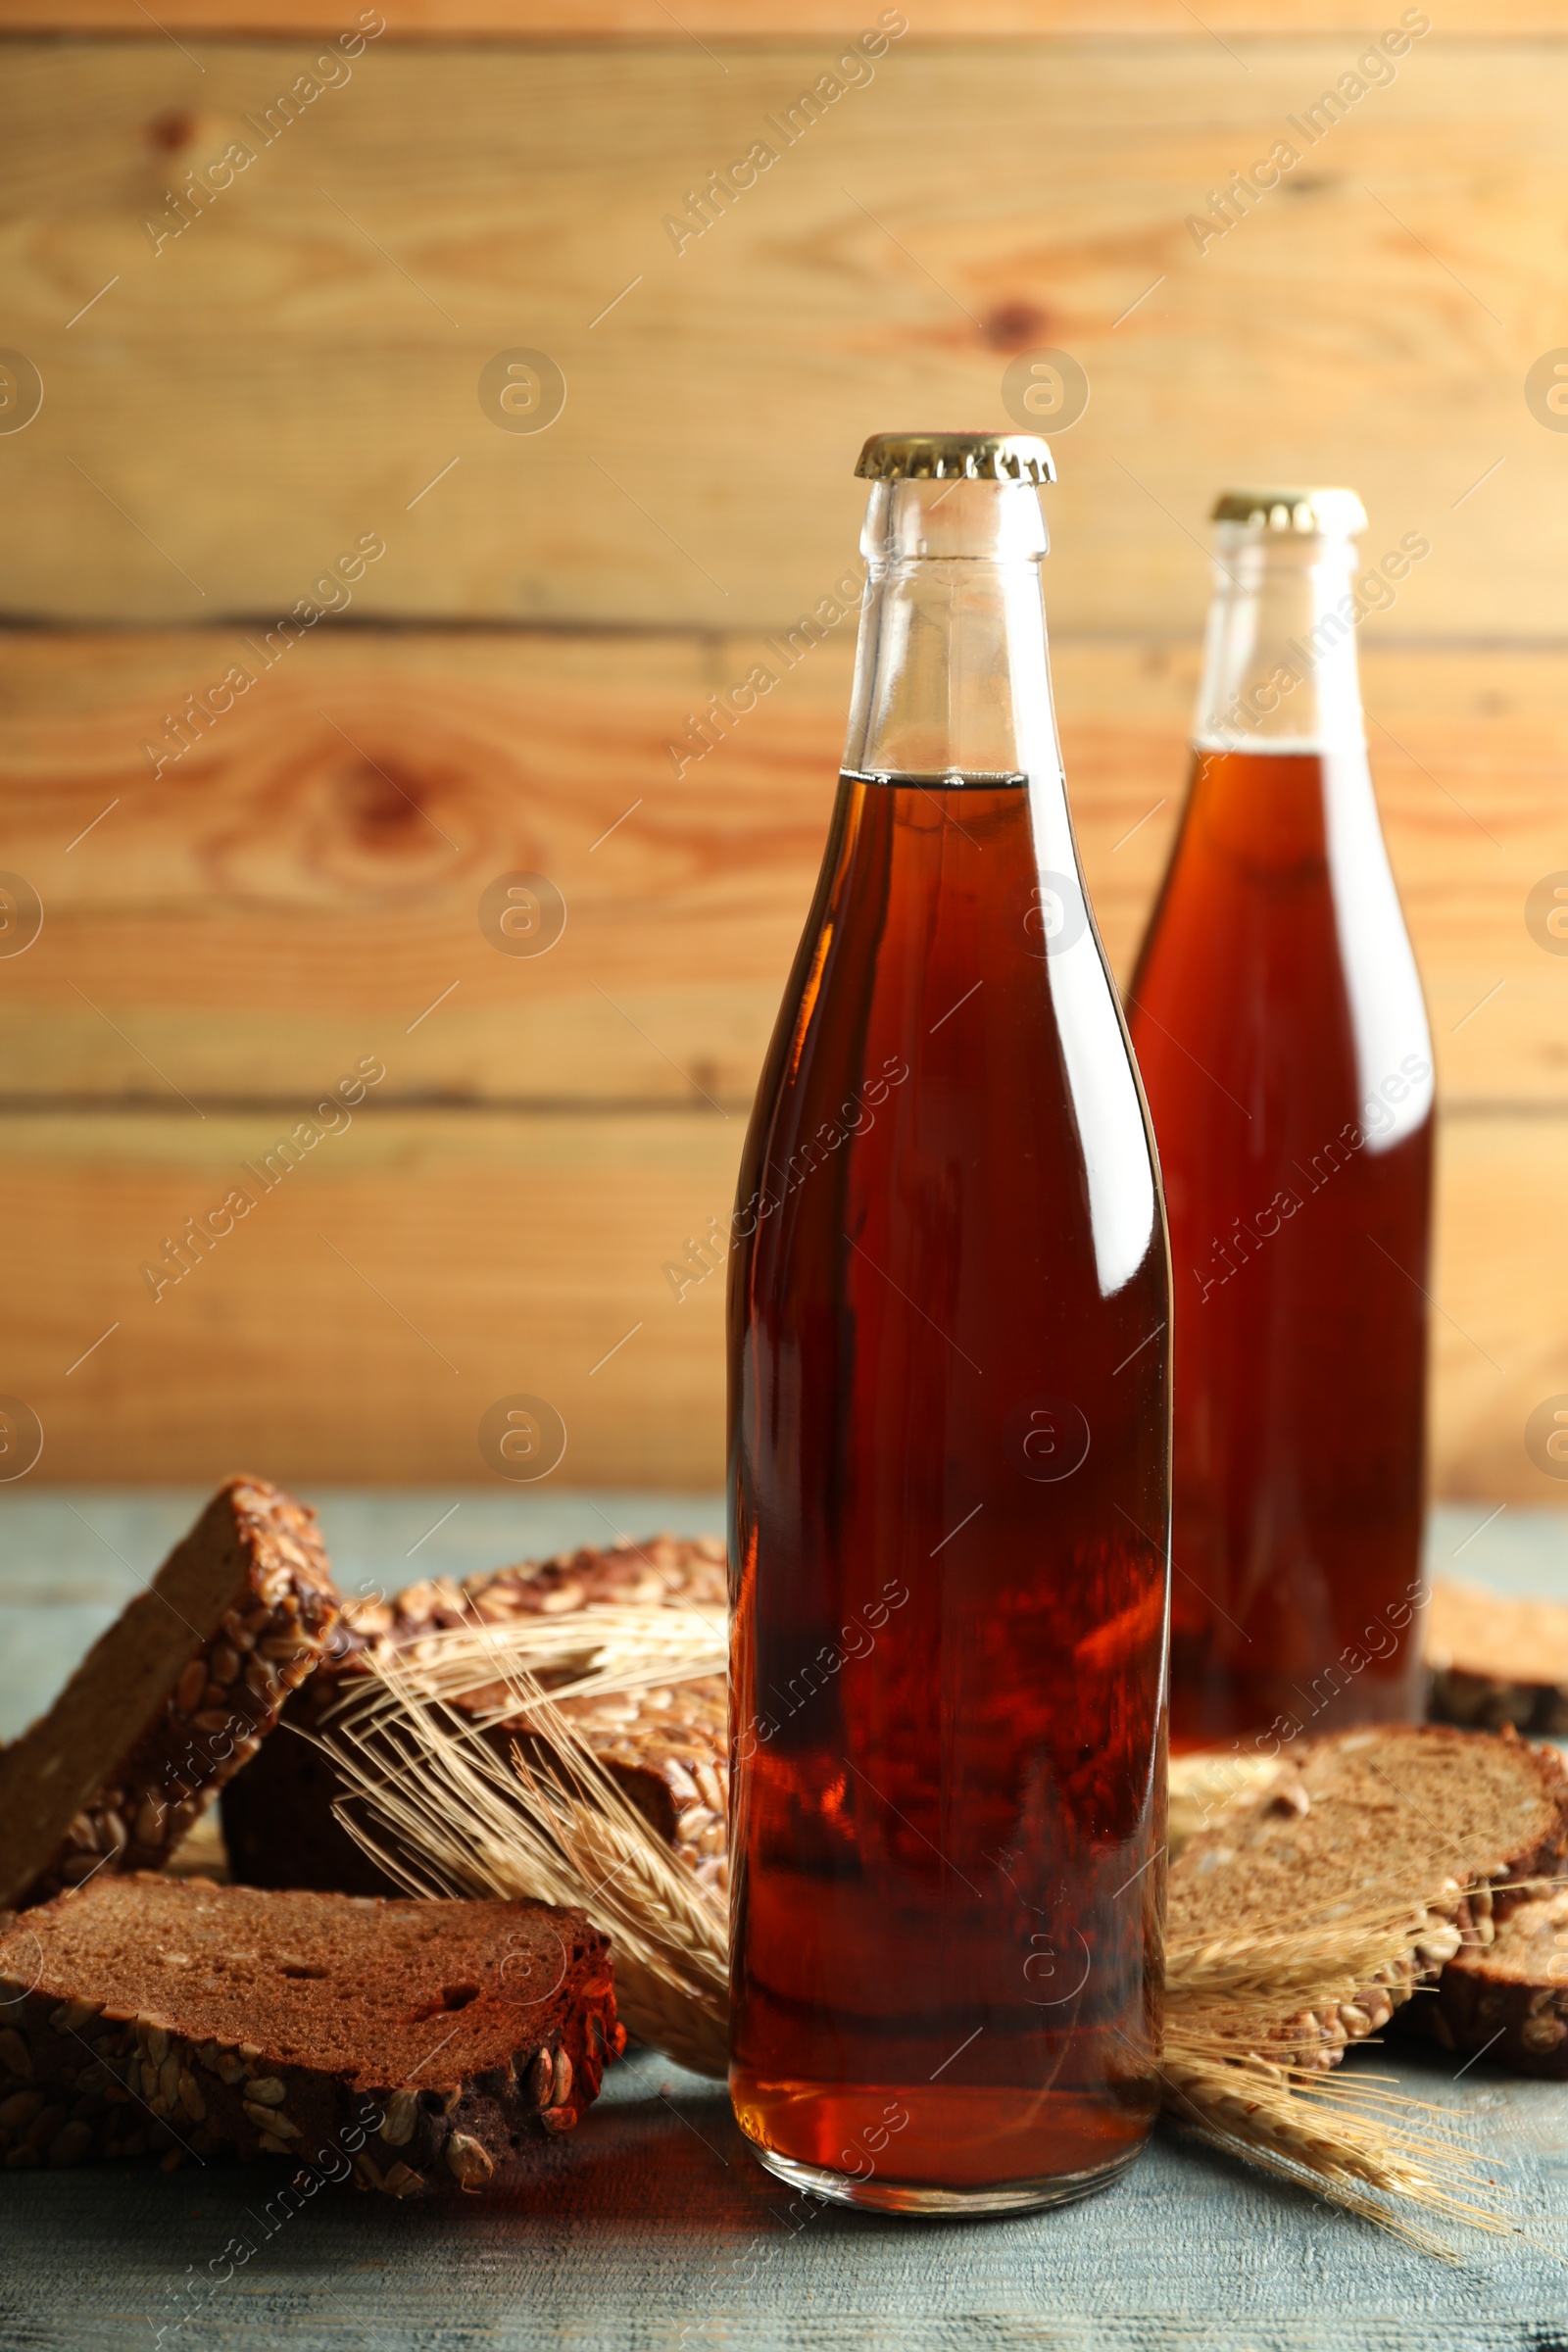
(668, 1748)
(83, 2078)
(211, 1694)
(1509, 1999)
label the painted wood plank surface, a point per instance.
(230, 404)
(655, 2230)
(658, 2233)
(305, 882)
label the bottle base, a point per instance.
(890, 2196)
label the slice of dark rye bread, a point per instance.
(1509, 1998)
(668, 1748)
(1378, 1821)
(431, 2046)
(174, 1698)
(1492, 1660)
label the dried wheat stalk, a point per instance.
(1355, 1950)
(564, 1833)
(1245, 2073)
(1237, 2071)
(1343, 2140)
(606, 1648)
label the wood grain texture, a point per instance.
(300, 889)
(1500, 1332)
(303, 885)
(740, 21)
(301, 364)
(653, 2228)
(364, 1313)
(298, 370)
(411, 1270)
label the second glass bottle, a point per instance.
(1281, 1033)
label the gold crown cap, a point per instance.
(955, 456)
(1338, 514)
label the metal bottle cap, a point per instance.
(959, 457)
(1337, 513)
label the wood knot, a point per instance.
(171, 130)
(1015, 326)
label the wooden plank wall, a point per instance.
(230, 411)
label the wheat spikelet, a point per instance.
(1335, 2140)
(1246, 2039)
(1307, 1953)
(1218, 2034)
(665, 2015)
(595, 1651)
(443, 1814)
(1254, 2021)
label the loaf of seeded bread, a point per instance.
(171, 1701)
(1508, 1998)
(1493, 1660)
(667, 1746)
(1425, 1820)
(426, 2048)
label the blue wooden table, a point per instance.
(656, 2230)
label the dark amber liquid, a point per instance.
(949, 1619)
(1300, 1330)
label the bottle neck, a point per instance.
(952, 681)
(1280, 670)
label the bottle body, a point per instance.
(1280, 1030)
(949, 1444)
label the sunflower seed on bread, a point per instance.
(1204, 1785)
(1508, 1999)
(428, 2048)
(171, 1701)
